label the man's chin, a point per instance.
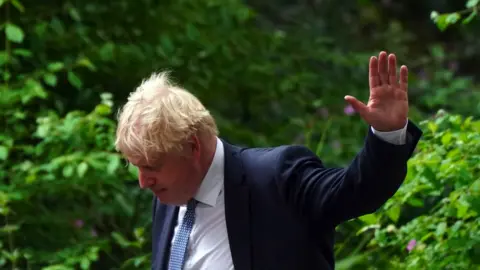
(165, 198)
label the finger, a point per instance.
(383, 67)
(373, 78)
(357, 105)
(392, 70)
(404, 78)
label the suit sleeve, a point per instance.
(334, 195)
(154, 211)
(154, 207)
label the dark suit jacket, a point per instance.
(282, 205)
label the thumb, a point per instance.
(357, 105)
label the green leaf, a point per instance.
(139, 232)
(57, 26)
(441, 229)
(126, 207)
(351, 261)
(55, 66)
(367, 228)
(437, 52)
(67, 171)
(133, 171)
(93, 253)
(23, 52)
(441, 22)
(85, 263)
(167, 45)
(452, 18)
(107, 51)
(192, 32)
(462, 208)
(415, 202)
(50, 79)
(18, 5)
(394, 213)
(3, 58)
(82, 169)
(6, 75)
(103, 109)
(74, 80)
(120, 239)
(9, 228)
(105, 96)
(85, 62)
(14, 33)
(432, 127)
(3, 152)
(446, 138)
(472, 3)
(74, 14)
(57, 267)
(113, 164)
(369, 219)
(470, 17)
(140, 260)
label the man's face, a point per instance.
(173, 178)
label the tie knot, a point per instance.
(192, 203)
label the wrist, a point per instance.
(391, 128)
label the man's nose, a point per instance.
(144, 180)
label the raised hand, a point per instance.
(387, 108)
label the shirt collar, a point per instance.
(213, 182)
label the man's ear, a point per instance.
(195, 146)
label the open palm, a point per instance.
(387, 107)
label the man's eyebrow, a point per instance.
(128, 163)
(146, 165)
(152, 165)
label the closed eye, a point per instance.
(151, 168)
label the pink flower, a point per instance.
(422, 74)
(336, 145)
(411, 245)
(78, 223)
(349, 110)
(453, 66)
(323, 112)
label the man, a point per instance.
(218, 206)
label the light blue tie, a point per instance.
(179, 247)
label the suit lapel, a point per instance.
(162, 251)
(237, 209)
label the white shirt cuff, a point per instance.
(397, 137)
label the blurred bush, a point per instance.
(66, 198)
(433, 221)
(269, 77)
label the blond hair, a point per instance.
(159, 117)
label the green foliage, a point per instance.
(444, 20)
(437, 86)
(433, 221)
(66, 199)
(67, 192)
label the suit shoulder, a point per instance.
(273, 157)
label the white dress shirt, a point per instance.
(208, 247)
